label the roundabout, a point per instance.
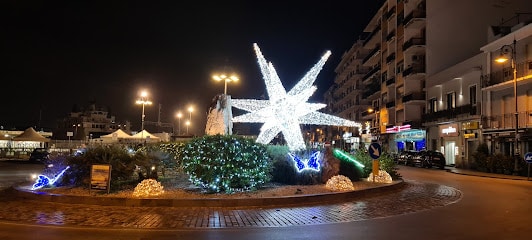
(406, 197)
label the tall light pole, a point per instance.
(501, 59)
(226, 79)
(179, 116)
(377, 124)
(143, 100)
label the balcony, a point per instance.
(416, 19)
(372, 35)
(505, 75)
(414, 69)
(468, 109)
(417, 96)
(371, 54)
(371, 73)
(390, 58)
(390, 36)
(390, 12)
(507, 121)
(390, 81)
(413, 42)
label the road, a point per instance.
(489, 208)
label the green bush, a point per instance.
(226, 163)
(122, 165)
(164, 157)
(386, 163)
(480, 157)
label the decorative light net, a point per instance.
(339, 183)
(148, 188)
(383, 177)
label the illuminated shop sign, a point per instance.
(470, 125)
(396, 129)
(412, 135)
(449, 130)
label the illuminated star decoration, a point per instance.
(43, 181)
(313, 163)
(284, 112)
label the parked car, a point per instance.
(39, 155)
(429, 159)
(406, 157)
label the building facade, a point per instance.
(428, 79)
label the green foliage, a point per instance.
(226, 163)
(386, 163)
(122, 165)
(480, 157)
(163, 156)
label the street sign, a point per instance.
(528, 157)
(375, 150)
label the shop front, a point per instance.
(409, 140)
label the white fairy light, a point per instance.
(284, 112)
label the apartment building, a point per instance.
(419, 80)
(507, 89)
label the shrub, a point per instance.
(226, 163)
(386, 163)
(122, 165)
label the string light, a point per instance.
(284, 112)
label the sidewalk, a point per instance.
(485, 174)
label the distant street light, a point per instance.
(179, 116)
(188, 124)
(226, 79)
(505, 49)
(76, 132)
(143, 100)
(190, 110)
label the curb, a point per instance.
(205, 202)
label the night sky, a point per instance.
(57, 54)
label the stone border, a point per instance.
(311, 199)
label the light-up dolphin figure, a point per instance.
(43, 180)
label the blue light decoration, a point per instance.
(43, 181)
(313, 163)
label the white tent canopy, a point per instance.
(118, 134)
(145, 135)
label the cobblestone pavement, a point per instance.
(414, 197)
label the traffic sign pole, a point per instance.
(375, 152)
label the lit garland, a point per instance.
(148, 188)
(226, 163)
(284, 112)
(313, 163)
(383, 177)
(337, 153)
(340, 183)
(43, 181)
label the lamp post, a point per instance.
(179, 116)
(226, 79)
(377, 124)
(501, 59)
(188, 124)
(143, 100)
(76, 132)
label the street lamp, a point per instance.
(226, 79)
(505, 49)
(188, 124)
(76, 132)
(179, 116)
(377, 125)
(143, 100)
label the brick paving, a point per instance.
(413, 197)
